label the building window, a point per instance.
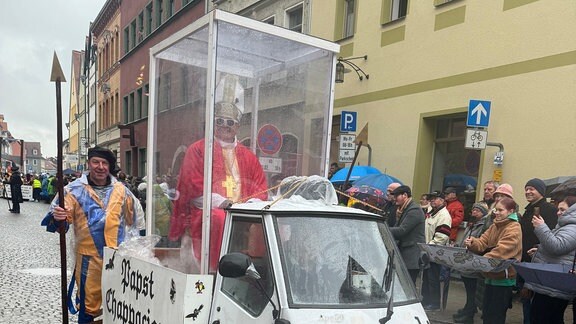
(34, 152)
(145, 105)
(140, 26)
(125, 109)
(133, 34)
(170, 8)
(142, 162)
(159, 12)
(126, 39)
(128, 162)
(269, 20)
(138, 109)
(349, 18)
(294, 18)
(393, 10)
(131, 107)
(164, 86)
(149, 20)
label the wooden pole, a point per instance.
(58, 77)
(352, 166)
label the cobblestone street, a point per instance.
(29, 267)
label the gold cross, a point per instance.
(230, 186)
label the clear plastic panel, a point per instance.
(271, 104)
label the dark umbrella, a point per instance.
(554, 276)
(367, 194)
(68, 171)
(566, 188)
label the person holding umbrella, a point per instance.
(556, 246)
(502, 240)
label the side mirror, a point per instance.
(235, 265)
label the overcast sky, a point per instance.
(30, 32)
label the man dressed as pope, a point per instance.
(236, 176)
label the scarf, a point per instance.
(400, 210)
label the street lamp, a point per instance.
(340, 68)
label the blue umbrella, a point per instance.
(358, 172)
(377, 181)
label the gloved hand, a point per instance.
(218, 201)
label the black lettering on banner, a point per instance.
(137, 282)
(124, 312)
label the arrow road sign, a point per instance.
(478, 113)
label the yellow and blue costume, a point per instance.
(101, 216)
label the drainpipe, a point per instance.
(369, 154)
(498, 161)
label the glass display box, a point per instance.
(237, 104)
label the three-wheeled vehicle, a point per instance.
(284, 254)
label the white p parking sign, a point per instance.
(348, 121)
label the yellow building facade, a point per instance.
(426, 61)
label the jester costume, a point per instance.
(101, 216)
(236, 175)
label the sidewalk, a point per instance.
(457, 299)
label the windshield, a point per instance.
(338, 262)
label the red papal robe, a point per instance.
(187, 218)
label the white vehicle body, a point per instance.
(326, 264)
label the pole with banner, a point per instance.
(58, 76)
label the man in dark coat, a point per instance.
(409, 229)
(16, 189)
(535, 191)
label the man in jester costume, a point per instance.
(236, 176)
(103, 212)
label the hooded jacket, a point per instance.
(503, 239)
(556, 246)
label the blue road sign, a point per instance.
(348, 121)
(478, 113)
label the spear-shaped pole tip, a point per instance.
(57, 74)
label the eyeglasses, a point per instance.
(225, 122)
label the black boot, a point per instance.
(460, 312)
(467, 317)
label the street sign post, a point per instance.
(476, 139)
(348, 121)
(346, 148)
(478, 113)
